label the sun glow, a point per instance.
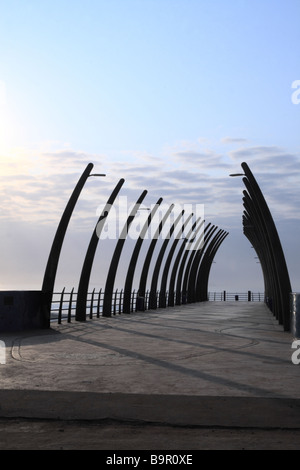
(6, 124)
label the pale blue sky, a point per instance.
(171, 94)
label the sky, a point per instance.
(172, 96)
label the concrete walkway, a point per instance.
(212, 364)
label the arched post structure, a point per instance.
(188, 239)
(182, 269)
(205, 267)
(127, 304)
(164, 278)
(109, 285)
(277, 273)
(259, 243)
(254, 225)
(148, 258)
(84, 280)
(193, 255)
(53, 259)
(155, 274)
(191, 284)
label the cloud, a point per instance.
(233, 140)
(205, 160)
(256, 152)
(35, 187)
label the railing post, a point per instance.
(120, 301)
(92, 304)
(70, 306)
(98, 303)
(115, 302)
(60, 306)
(132, 300)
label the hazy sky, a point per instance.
(172, 95)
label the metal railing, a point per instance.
(225, 296)
(63, 306)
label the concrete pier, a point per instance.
(222, 366)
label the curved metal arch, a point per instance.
(190, 235)
(109, 286)
(145, 269)
(268, 226)
(251, 221)
(182, 268)
(133, 260)
(207, 263)
(84, 280)
(194, 255)
(257, 242)
(153, 288)
(53, 259)
(163, 285)
(255, 221)
(192, 280)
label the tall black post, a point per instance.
(52, 264)
(274, 248)
(109, 286)
(182, 269)
(90, 255)
(153, 288)
(134, 258)
(188, 239)
(146, 265)
(165, 273)
(206, 264)
(192, 257)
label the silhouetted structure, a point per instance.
(188, 272)
(260, 229)
(90, 254)
(52, 264)
(133, 261)
(109, 286)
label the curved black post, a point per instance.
(257, 242)
(163, 285)
(254, 223)
(182, 268)
(207, 262)
(193, 255)
(153, 288)
(109, 286)
(52, 264)
(190, 235)
(133, 260)
(257, 238)
(273, 247)
(145, 270)
(192, 280)
(90, 255)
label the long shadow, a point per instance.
(180, 369)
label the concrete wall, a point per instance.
(20, 310)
